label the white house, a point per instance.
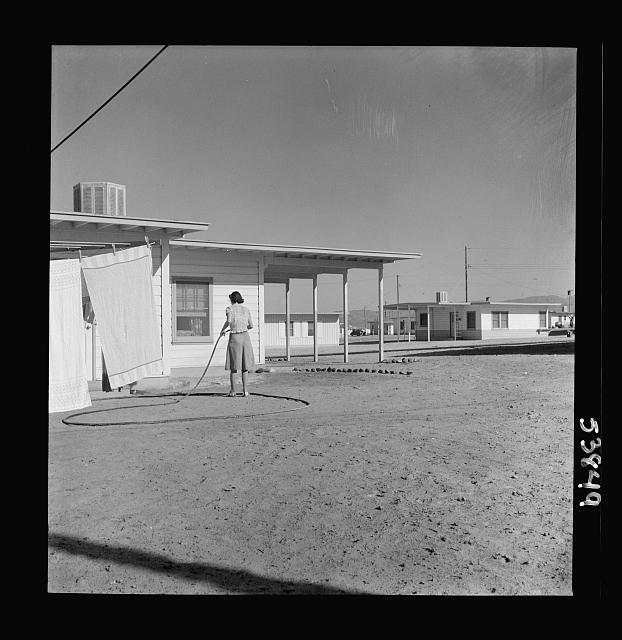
(479, 320)
(301, 329)
(193, 278)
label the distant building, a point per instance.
(301, 329)
(480, 320)
(101, 198)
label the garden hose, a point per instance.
(66, 419)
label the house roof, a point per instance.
(61, 221)
(282, 262)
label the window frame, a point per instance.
(471, 315)
(499, 315)
(180, 279)
(423, 319)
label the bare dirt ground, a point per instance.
(454, 480)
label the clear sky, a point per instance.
(414, 149)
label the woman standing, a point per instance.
(240, 356)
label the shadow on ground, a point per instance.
(232, 580)
(539, 348)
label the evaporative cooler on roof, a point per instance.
(101, 198)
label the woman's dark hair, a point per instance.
(236, 297)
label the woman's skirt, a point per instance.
(240, 356)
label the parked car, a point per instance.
(358, 332)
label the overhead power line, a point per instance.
(109, 99)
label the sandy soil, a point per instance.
(456, 479)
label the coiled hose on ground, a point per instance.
(67, 419)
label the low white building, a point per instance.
(478, 320)
(301, 329)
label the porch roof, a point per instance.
(283, 262)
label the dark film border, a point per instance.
(587, 520)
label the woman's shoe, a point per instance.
(246, 394)
(231, 394)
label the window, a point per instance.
(499, 319)
(402, 325)
(542, 319)
(423, 319)
(291, 327)
(470, 319)
(191, 310)
(310, 328)
(413, 325)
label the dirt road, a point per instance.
(456, 479)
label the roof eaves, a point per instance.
(301, 252)
(78, 220)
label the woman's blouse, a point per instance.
(239, 318)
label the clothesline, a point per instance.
(72, 247)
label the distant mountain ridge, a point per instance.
(550, 299)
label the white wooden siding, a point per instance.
(522, 322)
(519, 319)
(228, 272)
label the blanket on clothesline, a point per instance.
(67, 383)
(121, 291)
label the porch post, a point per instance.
(165, 308)
(380, 313)
(429, 322)
(315, 349)
(345, 316)
(261, 324)
(287, 353)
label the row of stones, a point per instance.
(330, 369)
(341, 370)
(392, 360)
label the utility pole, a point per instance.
(466, 277)
(398, 307)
